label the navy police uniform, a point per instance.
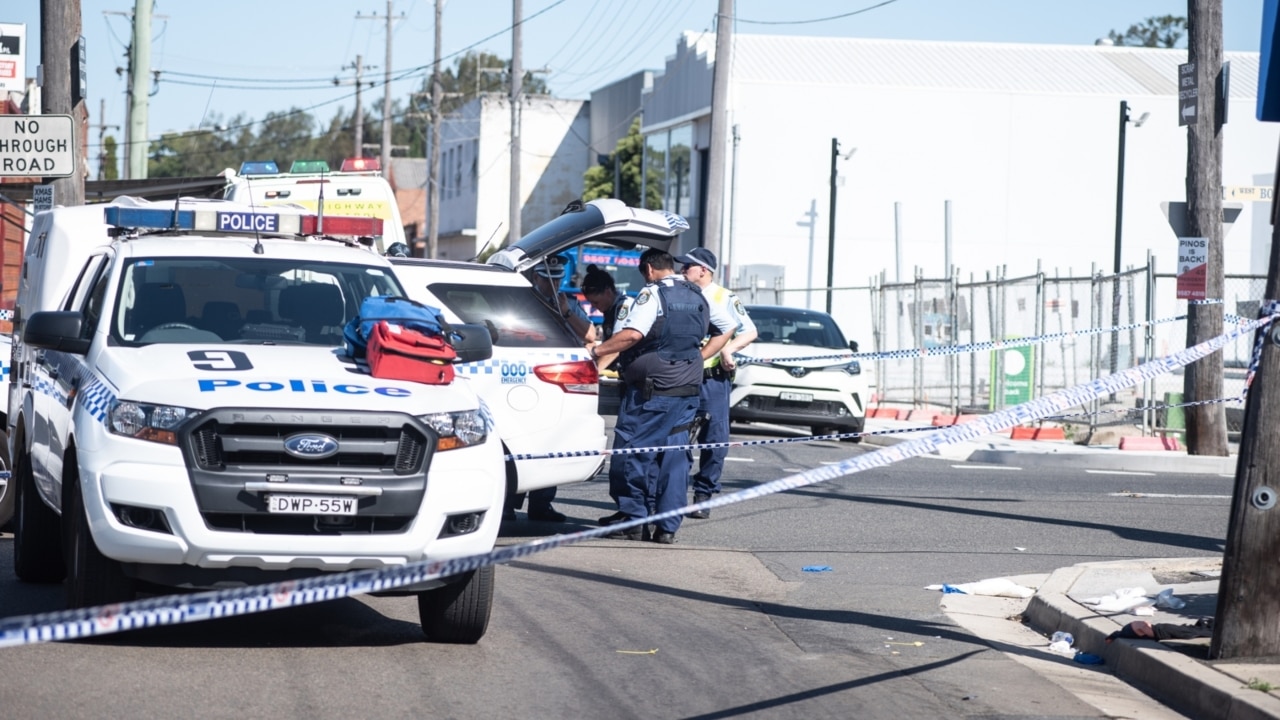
(662, 375)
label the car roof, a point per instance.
(784, 310)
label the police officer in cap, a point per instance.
(717, 374)
(661, 366)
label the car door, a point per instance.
(605, 220)
(66, 370)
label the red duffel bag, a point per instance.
(397, 353)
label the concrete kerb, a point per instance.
(1184, 683)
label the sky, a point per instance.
(218, 60)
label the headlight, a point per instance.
(147, 422)
(853, 368)
(458, 429)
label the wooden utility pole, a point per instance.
(514, 230)
(385, 146)
(433, 164)
(712, 235)
(359, 67)
(1247, 621)
(102, 127)
(1206, 424)
(59, 32)
(139, 89)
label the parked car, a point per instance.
(828, 394)
(540, 384)
(600, 223)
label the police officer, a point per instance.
(546, 277)
(713, 400)
(600, 290)
(661, 366)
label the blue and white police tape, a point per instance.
(945, 350)
(6, 314)
(711, 446)
(172, 610)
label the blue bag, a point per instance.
(401, 311)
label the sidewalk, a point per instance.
(999, 449)
(1176, 672)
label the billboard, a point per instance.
(13, 58)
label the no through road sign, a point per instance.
(37, 146)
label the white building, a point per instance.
(476, 168)
(1022, 139)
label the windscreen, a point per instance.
(515, 316)
(236, 300)
(792, 326)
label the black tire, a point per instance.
(9, 493)
(92, 578)
(458, 612)
(37, 539)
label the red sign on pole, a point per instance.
(1193, 267)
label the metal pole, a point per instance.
(433, 172)
(517, 77)
(386, 101)
(727, 257)
(1124, 124)
(897, 242)
(946, 235)
(712, 228)
(831, 226)
(140, 80)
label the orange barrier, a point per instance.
(1149, 443)
(1034, 433)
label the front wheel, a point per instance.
(9, 492)
(37, 541)
(92, 578)
(458, 612)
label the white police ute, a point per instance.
(184, 414)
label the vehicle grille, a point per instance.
(815, 408)
(217, 444)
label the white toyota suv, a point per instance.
(183, 414)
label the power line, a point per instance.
(244, 79)
(816, 20)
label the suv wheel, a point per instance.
(92, 578)
(10, 491)
(459, 611)
(37, 542)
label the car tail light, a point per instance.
(572, 377)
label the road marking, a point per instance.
(1118, 472)
(738, 459)
(1168, 495)
(985, 467)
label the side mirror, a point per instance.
(853, 345)
(472, 342)
(56, 330)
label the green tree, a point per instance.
(110, 160)
(472, 75)
(627, 156)
(1163, 31)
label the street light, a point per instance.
(1124, 124)
(1115, 298)
(831, 228)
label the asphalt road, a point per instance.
(726, 623)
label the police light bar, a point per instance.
(309, 167)
(340, 225)
(259, 167)
(361, 165)
(241, 222)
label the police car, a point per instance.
(183, 413)
(598, 224)
(806, 374)
(540, 384)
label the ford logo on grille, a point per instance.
(310, 446)
(799, 372)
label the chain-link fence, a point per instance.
(1067, 322)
